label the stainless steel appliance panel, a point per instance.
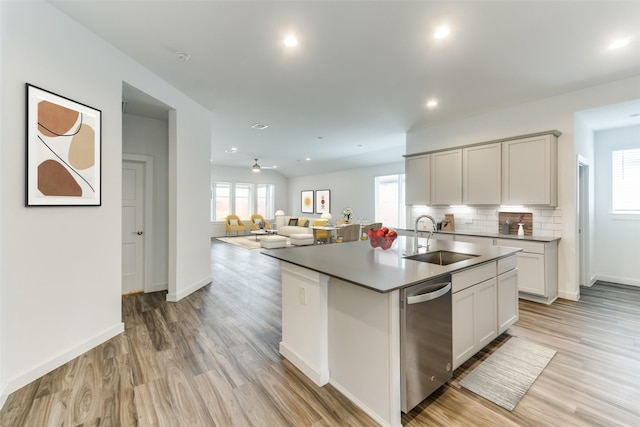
(425, 340)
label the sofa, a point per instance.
(285, 225)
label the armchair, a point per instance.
(233, 223)
(321, 235)
(255, 219)
(349, 232)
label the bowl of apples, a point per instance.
(382, 238)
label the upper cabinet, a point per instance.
(520, 170)
(417, 180)
(529, 174)
(446, 177)
(481, 174)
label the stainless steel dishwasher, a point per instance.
(425, 339)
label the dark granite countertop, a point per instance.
(384, 271)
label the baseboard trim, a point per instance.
(619, 280)
(376, 417)
(157, 287)
(188, 291)
(59, 360)
(573, 296)
(318, 376)
(3, 395)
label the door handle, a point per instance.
(139, 233)
(416, 299)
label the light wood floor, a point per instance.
(212, 359)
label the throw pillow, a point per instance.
(293, 221)
(233, 222)
(304, 223)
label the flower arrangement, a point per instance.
(521, 218)
(347, 213)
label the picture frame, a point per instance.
(323, 201)
(63, 151)
(306, 201)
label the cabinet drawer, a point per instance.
(473, 276)
(527, 246)
(506, 264)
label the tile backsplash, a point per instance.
(546, 222)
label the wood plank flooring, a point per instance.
(212, 360)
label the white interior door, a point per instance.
(132, 226)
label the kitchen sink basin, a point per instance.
(441, 257)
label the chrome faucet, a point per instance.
(415, 236)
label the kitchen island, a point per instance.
(341, 312)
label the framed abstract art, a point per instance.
(63, 151)
(306, 201)
(323, 201)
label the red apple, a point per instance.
(375, 242)
(392, 233)
(379, 233)
(385, 230)
(370, 232)
(386, 244)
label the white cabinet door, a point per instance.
(474, 320)
(482, 174)
(417, 177)
(507, 300)
(531, 277)
(529, 171)
(486, 324)
(446, 177)
(463, 309)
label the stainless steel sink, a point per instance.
(441, 257)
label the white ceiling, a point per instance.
(363, 70)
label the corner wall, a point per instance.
(616, 236)
(551, 113)
(61, 266)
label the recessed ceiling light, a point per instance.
(619, 43)
(259, 126)
(290, 40)
(183, 56)
(308, 159)
(432, 103)
(441, 32)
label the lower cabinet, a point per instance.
(484, 305)
(507, 300)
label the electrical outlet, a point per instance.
(302, 295)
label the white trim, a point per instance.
(620, 280)
(59, 360)
(319, 375)
(376, 417)
(185, 292)
(148, 216)
(4, 393)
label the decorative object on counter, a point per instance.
(515, 219)
(261, 224)
(448, 223)
(506, 226)
(347, 213)
(382, 238)
(521, 225)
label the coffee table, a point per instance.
(263, 232)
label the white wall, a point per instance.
(616, 236)
(547, 114)
(245, 175)
(149, 137)
(61, 266)
(352, 188)
(3, 323)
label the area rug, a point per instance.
(247, 242)
(506, 375)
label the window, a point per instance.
(265, 200)
(390, 208)
(626, 181)
(242, 199)
(220, 200)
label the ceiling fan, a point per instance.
(256, 167)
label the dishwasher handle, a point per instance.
(429, 296)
